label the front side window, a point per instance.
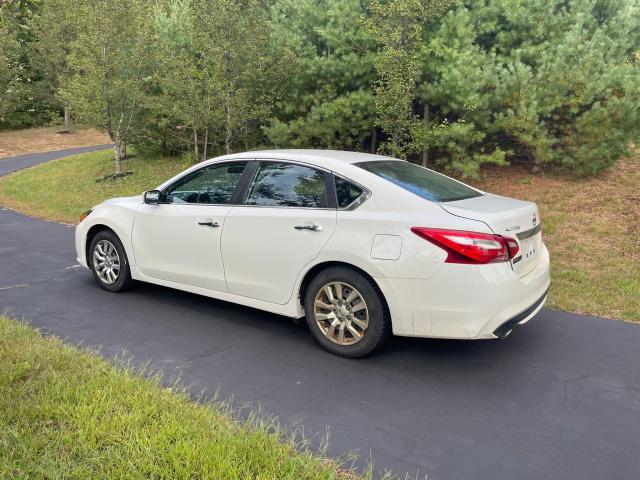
(419, 180)
(213, 184)
(288, 185)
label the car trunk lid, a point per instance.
(508, 217)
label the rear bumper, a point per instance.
(507, 327)
(467, 301)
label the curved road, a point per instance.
(560, 398)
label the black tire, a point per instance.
(379, 323)
(123, 281)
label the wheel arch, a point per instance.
(91, 233)
(319, 267)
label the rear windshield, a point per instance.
(419, 180)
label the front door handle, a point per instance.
(209, 223)
(312, 226)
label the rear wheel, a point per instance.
(345, 312)
(108, 262)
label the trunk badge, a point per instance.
(534, 220)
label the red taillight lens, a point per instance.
(512, 246)
(470, 247)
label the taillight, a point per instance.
(512, 246)
(470, 247)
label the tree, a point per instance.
(242, 63)
(55, 34)
(554, 82)
(217, 70)
(109, 61)
(452, 96)
(187, 89)
(12, 89)
(26, 98)
(398, 25)
(329, 102)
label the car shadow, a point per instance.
(287, 332)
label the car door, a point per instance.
(179, 239)
(286, 219)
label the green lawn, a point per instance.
(67, 413)
(62, 189)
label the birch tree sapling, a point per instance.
(215, 69)
(397, 25)
(109, 60)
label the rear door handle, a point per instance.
(313, 227)
(209, 223)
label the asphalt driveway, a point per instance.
(559, 398)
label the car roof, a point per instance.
(334, 160)
(319, 157)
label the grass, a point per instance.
(46, 139)
(591, 225)
(67, 413)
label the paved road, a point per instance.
(560, 398)
(11, 164)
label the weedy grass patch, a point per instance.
(68, 413)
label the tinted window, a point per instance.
(419, 180)
(346, 192)
(288, 185)
(212, 184)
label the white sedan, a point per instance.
(361, 245)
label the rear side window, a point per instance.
(346, 192)
(419, 180)
(288, 185)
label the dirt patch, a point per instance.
(34, 140)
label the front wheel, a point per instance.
(109, 263)
(345, 312)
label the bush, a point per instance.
(555, 81)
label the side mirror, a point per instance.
(152, 197)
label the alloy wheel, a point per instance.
(106, 261)
(341, 313)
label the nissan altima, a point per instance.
(363, 246)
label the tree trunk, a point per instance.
(425, 120)
(117, 146)
(374, 138)
(67, 119)
(195, 144)
(227, 130)
(205, 144)
(117, 150)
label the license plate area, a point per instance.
(529, 250)
(530, 244)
